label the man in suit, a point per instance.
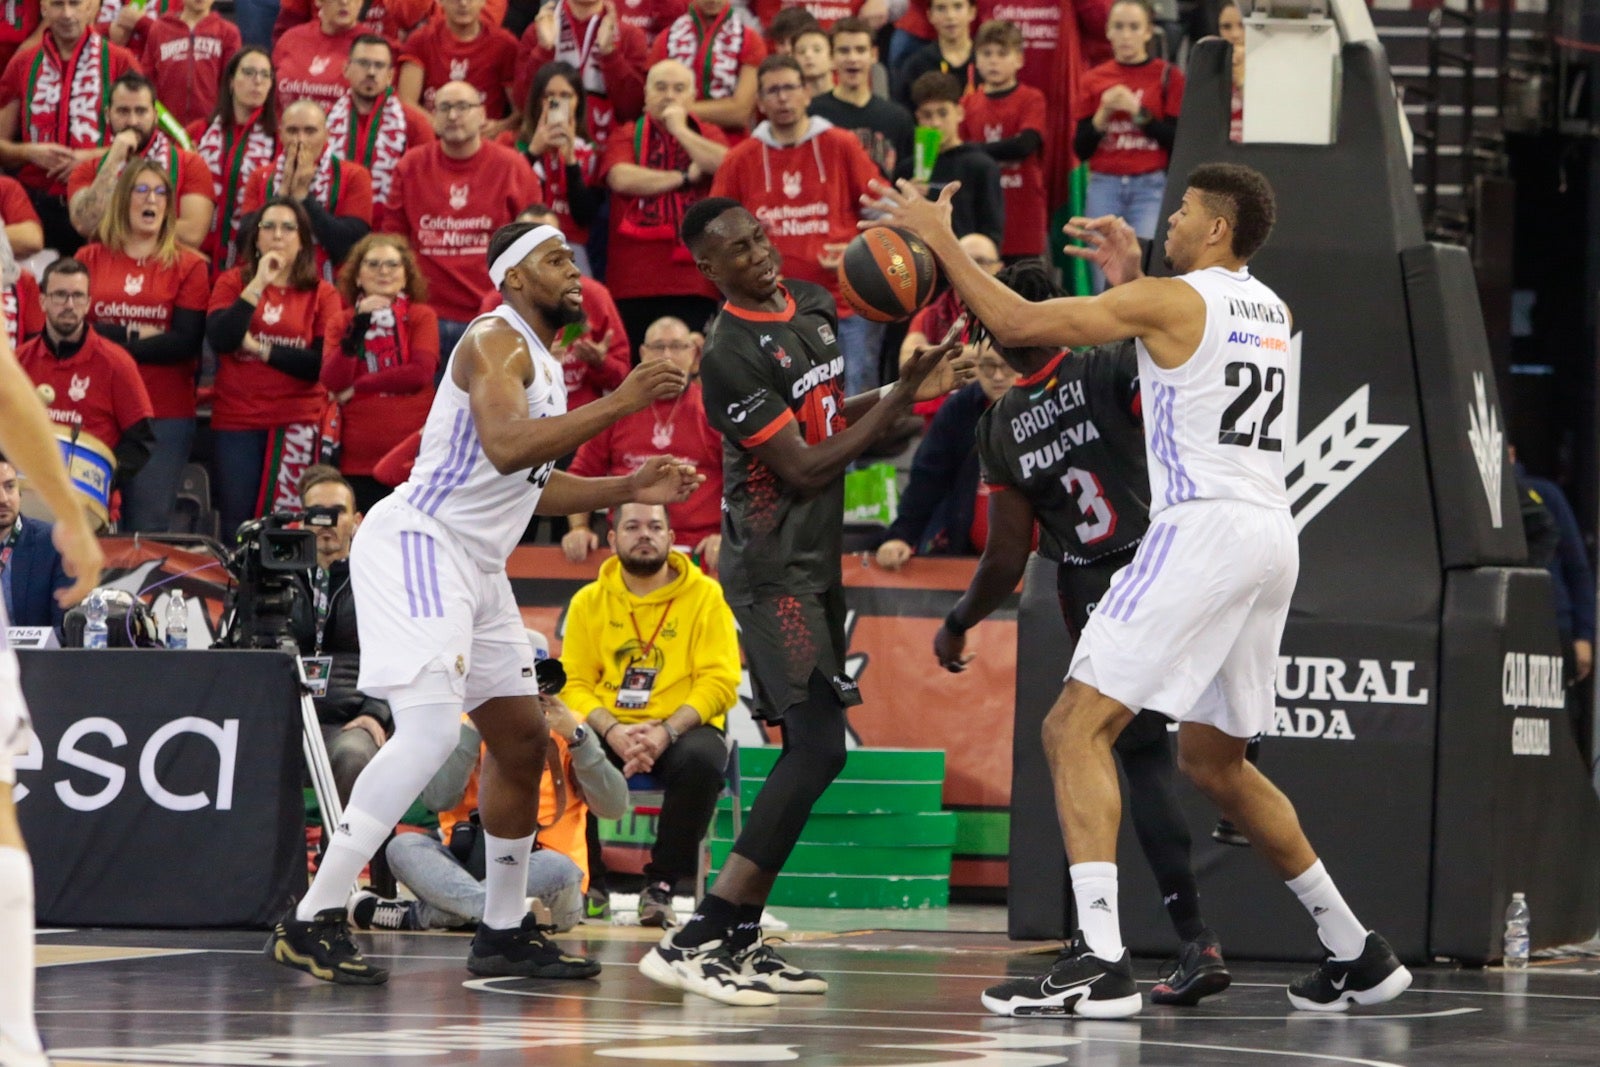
(30, 566)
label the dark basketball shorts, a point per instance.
(786, 640)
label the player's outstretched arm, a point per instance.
(661, 480)
(28, 441)
(1005, 557)
(498, 369)
(812, 468)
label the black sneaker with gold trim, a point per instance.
(322, 948)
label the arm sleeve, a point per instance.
(1162, 131)
(716, 661)
(337, 234)
(178, 344)
(297, 361)
(1086, 139)
(605, 790)
(1014, 149)
(583, 199)
(133, 450)
(225, 329)
(990, 218)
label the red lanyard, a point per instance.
(644, 653)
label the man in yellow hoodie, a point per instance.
(652, 659)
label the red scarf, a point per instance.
(376, 142)
(656, 218)
(711, 51)
(385, 346)
(76, 117)
(233, 154)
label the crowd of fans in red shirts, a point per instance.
(267, 249)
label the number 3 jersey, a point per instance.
(1213, 425)
(1068, 438)
(762, 372)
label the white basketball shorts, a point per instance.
(1191, 626)
(434, 628)
(16, 732)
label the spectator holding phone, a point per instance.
(554, 137)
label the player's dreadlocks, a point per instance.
(1031, 279)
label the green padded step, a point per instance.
(860, 798)
(850, 860)
(839, 891)
(938, 829)
(861, 764)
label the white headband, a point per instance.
(519, 250)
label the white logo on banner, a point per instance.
(109, 734)
(1488, 444)
(1324, 462)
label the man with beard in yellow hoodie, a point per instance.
(652, 658)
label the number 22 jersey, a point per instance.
(762, 372)
(1213, 426)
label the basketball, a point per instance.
(887, 273)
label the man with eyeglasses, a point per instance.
(310, 59)
(449, 197)
(371, 125)
(674, 426)
(134, 136)
(458, 44)
(803, 177)
(90, 385)
(53, 102)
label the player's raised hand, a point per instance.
(1109, 243)
(905, 206)
(81, 557)
(652, 380)
(664, 480)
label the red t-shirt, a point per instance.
(449, 208)
(1125, 148)
(251, 395)
(552, 174)
(309, 64)
(650, 16)
(90, 129)
(826, 12)
(99, 387)
(1058, 39)
(186, 171)
(389, 402)
(22, 19)
(583, 381)
(715, 51)
(125, 291)
(677, 428)
(186, 64)
(394, 19)
(613, 84)
(996, 118)
(656, 263)
(807, 195)
(154, 9)
(349, 196)
(23, 308)
(488, 63)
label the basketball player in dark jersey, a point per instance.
(773, 381)
(1065, 445)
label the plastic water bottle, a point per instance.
(177, 621)
(1516, 939)
(94, 621)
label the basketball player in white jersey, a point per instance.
(1191, 626)
(27, 441)
(440, 629)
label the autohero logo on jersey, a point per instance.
(1306, 681)
(109, 776)
(1531, 680)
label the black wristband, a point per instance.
(954, 625)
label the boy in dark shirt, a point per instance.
(951, 52)
(978, 206)
(882, 126)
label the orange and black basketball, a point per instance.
(887, 273)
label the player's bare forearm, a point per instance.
(568, 494)
(812, 468)
(1004, 559)
(27, 439)
(522, 443)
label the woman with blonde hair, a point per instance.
(379, 360)
(148, 294)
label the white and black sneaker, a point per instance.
(368, 911)
(707, 969)
(762, 964)
(1080, 983)
(1373, 977)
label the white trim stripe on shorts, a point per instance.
(453, 473)
(420, 563)
(1135, 580)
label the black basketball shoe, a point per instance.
(1080, 983)
(322, 948)
(1200, 972)
(524, 952)
(1371, 978)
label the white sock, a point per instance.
(16, 950)
(1337, 925)
(354, 843)
(1094, 888)
(505, 886)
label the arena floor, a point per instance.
(900, 997)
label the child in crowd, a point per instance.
(1008, 120)
(951, 53)
(814, 51)
(978, 206)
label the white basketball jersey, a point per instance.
(1212, 426)
(454, 482)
